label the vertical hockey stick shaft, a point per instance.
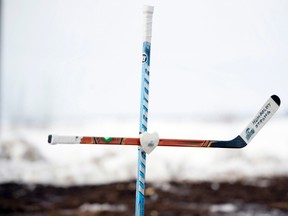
(141, 167)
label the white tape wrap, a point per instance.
(149, 141)
(65, 139)
(147, 22)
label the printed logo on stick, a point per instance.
(144, 58)
(249, 133)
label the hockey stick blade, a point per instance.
(240, 141)
(262, 117)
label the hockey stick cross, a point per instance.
(148, 142)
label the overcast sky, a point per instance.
(76, 59)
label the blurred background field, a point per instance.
(73, 68)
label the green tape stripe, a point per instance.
(107, 139)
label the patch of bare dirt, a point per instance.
(264, 196)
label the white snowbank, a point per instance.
(25, 155)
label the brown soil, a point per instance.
(250, 197)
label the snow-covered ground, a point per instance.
(25, 155)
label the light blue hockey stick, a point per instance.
(140, 184)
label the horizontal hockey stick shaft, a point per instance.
(240, 141)
(54, 139)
